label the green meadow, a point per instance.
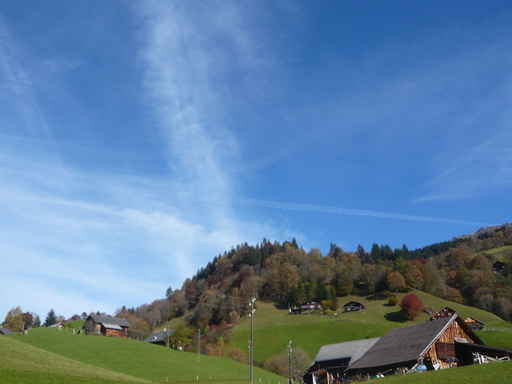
(128, 359)
(23, 363)
(275, 327)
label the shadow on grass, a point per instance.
(397, 316)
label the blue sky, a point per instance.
(140, 139)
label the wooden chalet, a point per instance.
(106, 325)
(499, 267)
(474, 324)
(353, 306)
(160, 337)
(307, 307)
(439, 343)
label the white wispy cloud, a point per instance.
(81, 240)
(301, 207)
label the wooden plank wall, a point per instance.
(448, 336)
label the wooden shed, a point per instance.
(353, 306)
(106, 325)
(426, 346)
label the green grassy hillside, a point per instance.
(141, 360)
(24, 363)
(500, 253)
(496, 373)
(274, 327)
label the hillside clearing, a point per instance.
(274, 327)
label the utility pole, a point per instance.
(252, 312)
(199, 343)
(290, 362)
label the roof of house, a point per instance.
(350, 349)
(5, 331)
(110, 321)
(402, 344)
(160, 336)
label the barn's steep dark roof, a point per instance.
(110, 320)
(401, 344)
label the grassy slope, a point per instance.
(275, 327)
(495, 373)
(24, 363)
(500, 253)
(140, 359)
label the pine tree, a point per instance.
(51, 318)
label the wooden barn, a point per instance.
(306, 308)
(106, 325)
(353, 306)
(442, 342)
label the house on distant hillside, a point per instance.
(106, 325)
(353, 306)
(307, 307)
(474, 324)
(445, 312)
(160, 337)
(333, 360)
(498, 267)
(442, 342)
(5, 331)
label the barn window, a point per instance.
(445, 350)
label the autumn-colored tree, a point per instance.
(433, 282)
(411, 306)
(182, 336)
(238, 355)
(453, 294)
(14, 320)
(279, 363)
(414, 276)
(395, 281)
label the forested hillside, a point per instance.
(460, 270)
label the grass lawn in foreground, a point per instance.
(24, 363)
(142, 360)
(494, 373)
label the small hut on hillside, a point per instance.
(106, 325)
(353, 306)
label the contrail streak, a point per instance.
(300, 207)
